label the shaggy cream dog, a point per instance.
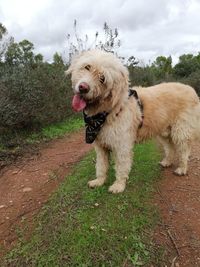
(171, 114)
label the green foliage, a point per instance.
(187, 70)
(3, 30)
(141, 76)
(84, 227)
(56, 130)
(193, 80)
(187, 64)
(4, 41)
(57, 60)
(22, 54)
(162, 67)
(33, 96)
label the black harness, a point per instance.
(93, 124)
(132, 92)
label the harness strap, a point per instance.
(93, 125)
(135, 94)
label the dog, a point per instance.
(117, 117)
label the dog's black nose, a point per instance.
(83, 88)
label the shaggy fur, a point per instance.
(171, 114)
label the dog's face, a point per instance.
(96, 76)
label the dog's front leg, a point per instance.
(123, 162)
(101, 166)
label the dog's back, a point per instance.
(165, 105)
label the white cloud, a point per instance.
(147, 28)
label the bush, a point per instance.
(193, 80)
(33, 95)
(141, 76)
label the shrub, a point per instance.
(33, 95)
(194, 80)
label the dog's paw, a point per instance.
(95, 183)
(117, 187)
(165, 163)
(180, 171)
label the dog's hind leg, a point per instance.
(182, 136)
(102, 163)
(123, 162)
(183, 152)
(168, 147)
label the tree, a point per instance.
(4, 41)
(38, 59)
(3, 31)
(162, 67)
(22, 54)
(13, 54)
(187, 64)
(58, 60)
(26, 48)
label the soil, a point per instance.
(27, 184)
(178, 199)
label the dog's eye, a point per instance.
(87, 67)
(102, 78)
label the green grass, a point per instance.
(56, 130)
(18, 139)
(84, 227)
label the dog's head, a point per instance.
(97, 77)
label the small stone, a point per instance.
(92, 227)
(15, 172)
(2, 206)
(27, 189)
(96, 204)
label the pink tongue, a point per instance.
(78, 103)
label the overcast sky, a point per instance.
(147, 28)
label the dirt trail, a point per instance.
(26, 186)
(178, 198)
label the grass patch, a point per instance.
(84, 227)
(57, 130)
(10, 139)
(17, 143)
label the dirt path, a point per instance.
(25, 187)
(178, 199)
